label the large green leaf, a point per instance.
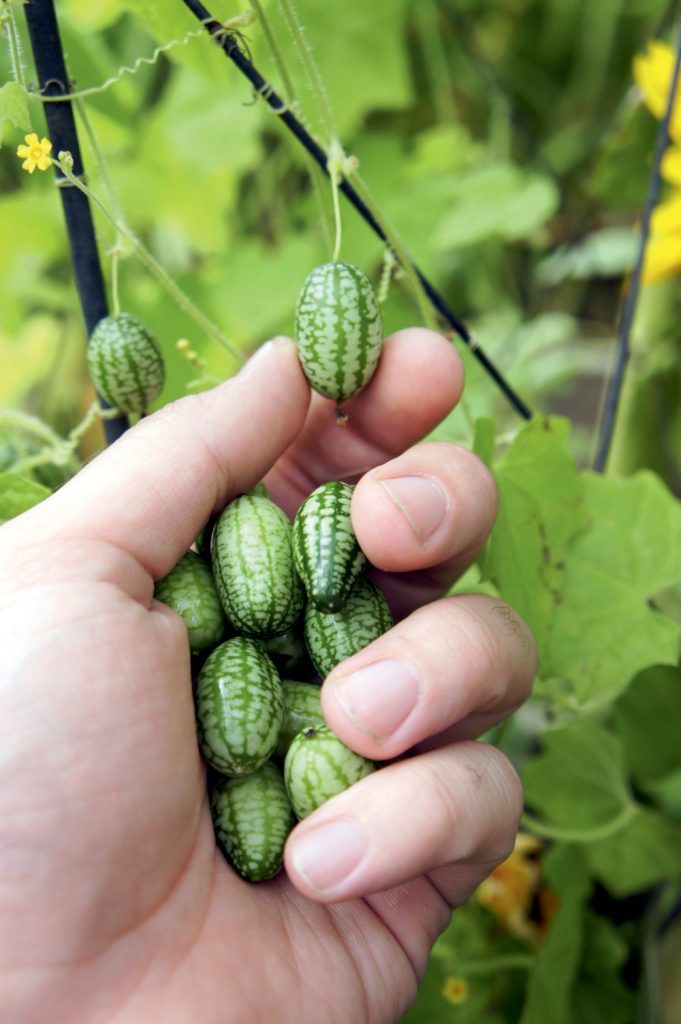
(604, 630)
(648, 716)
(645, 852)
(540, 512)
(14, 107)
(18, 494)
(578, 781)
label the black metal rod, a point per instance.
(61, 128)
(616, 384)
(229, 44)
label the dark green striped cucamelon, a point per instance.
(252, 817)
(339, 329)
(125, 363)
(327, 555)
(189, 590)
(239, 707)
(302, 710)
(253, 566)
(333, 637)
(288, 650)
(318, 766)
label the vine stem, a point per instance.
(612, 398)
(14, 46)
(310, 66)
(291, 98)
(228, 43)
(171, 286)
(576, 835)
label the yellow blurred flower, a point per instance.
(455, 990)
(516, 895)
(35, 153)
(653, 73)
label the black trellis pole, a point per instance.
(229, 44)
(61, 127)
(616, 384)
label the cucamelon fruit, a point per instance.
(252, 817)
(318, 766)
(333, 637)
(327, 556)
(302, 710)
(189, 590)
(125, 363)
(339, 329)
(288, 650)
(239, 707)
(252, 561)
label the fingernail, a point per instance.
(422, 502)
(325, 856)
(378, 698)
(261, 353)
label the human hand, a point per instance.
(115, 905)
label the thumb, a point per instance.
(152, 491)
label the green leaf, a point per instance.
(600, 994)
(17, 495)
(650, 735)
(484, 440)
(644, 853)
(14, 107)
(578, 782)
(604, 631)
(540, 511)
(498, 201)
(555, 967)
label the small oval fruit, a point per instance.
(239, 707)
(252, 560)
(125, 363)
(189, 589)
(252, 817)
(339, 329)
(326, 552)
(333, 637)
(287, 651)
(318, 766)
(302, 710)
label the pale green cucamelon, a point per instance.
(339, 329)
(252, 560)
(125, 363)
(239, 707)
(302, 710)
(252, 817)
(327, 556)
(189, 590)
(318, 766)
(333, 637)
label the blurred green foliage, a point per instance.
(506, 144)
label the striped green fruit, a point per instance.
(288, 650)
(189, 589)
(125, 363)
(339, 329)
(252, 817)
(333, 637)
(239, 707)
(253, 566)
(327, 556)
(302, 710)
(318, 766)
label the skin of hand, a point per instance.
(115, 905)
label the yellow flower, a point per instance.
(455, 990)
(35, 153)
(653, 74)
(510, 890)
